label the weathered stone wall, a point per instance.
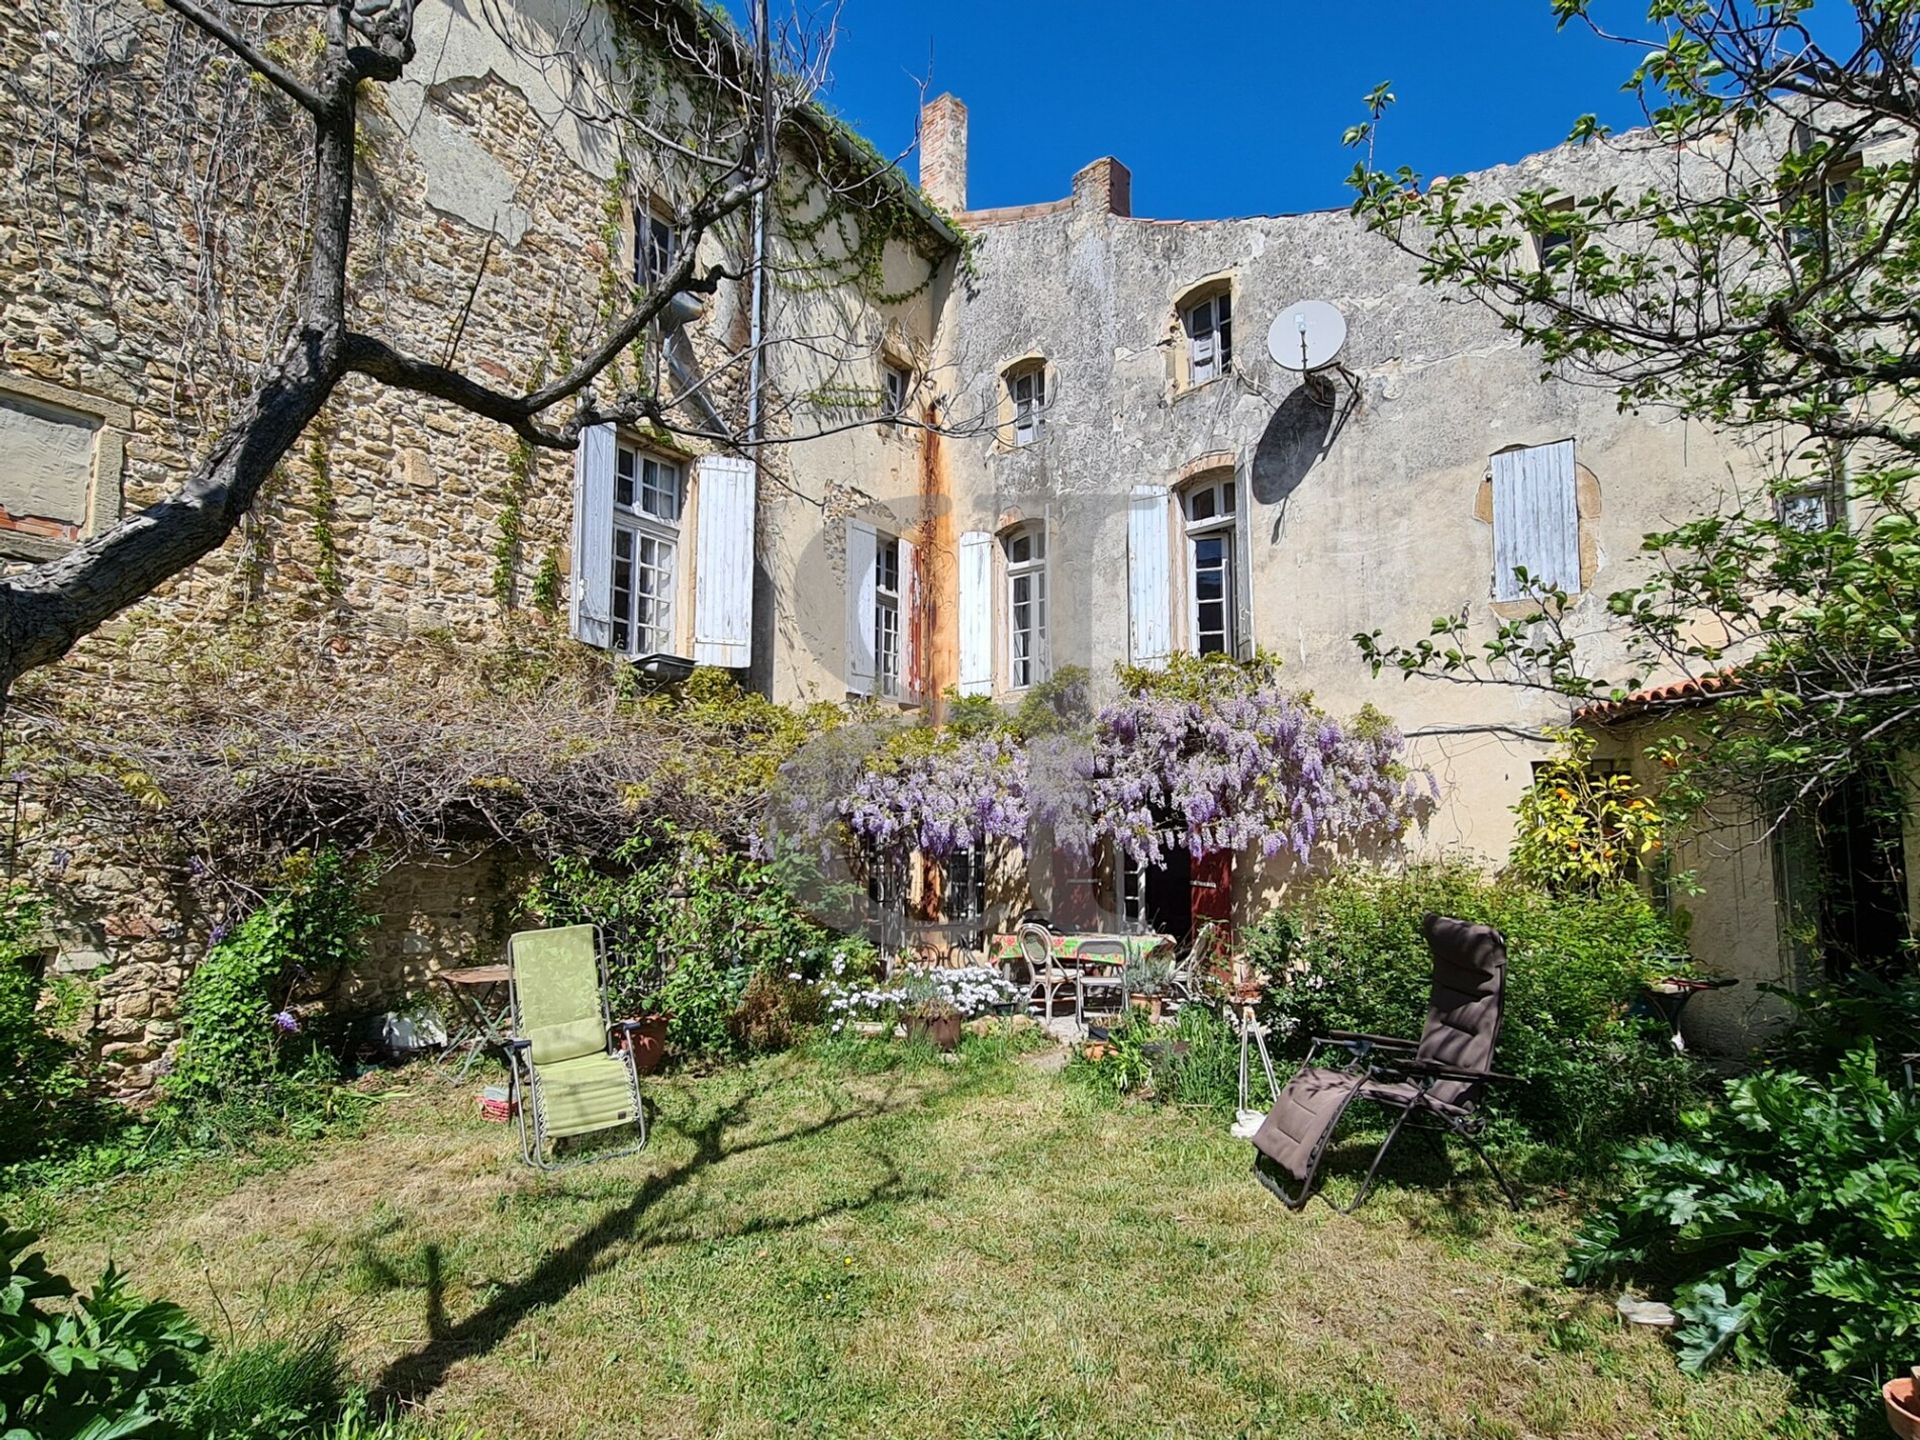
(494, 225)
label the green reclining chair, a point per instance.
(568, 1076)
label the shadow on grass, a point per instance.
(417, 1374)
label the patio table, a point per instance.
(1066, 947)
(481, 1006)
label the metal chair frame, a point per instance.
(524, 1084)
(1046, 977)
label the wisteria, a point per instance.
(1216, 758)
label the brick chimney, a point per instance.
(1106, 185)
(943, 153)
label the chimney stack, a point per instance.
(943, 153)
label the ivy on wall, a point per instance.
(327, 573)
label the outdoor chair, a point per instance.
(569, 1076)
(1433, 1084)
(1109, 953)
(1046, 977)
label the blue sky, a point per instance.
(1222, 107)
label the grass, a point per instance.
(874, 1242)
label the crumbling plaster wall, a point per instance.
(1363, 514)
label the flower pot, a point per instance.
(1095, 1049)
(1154, 1005)
(1902, 1399)
(940, 1031)
(648, 1041)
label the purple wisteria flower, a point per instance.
(287, 1022)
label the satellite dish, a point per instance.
(1306, 336)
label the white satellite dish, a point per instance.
(1306, 336)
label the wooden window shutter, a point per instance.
(861, 544)
(913, 623)
(976, 613)
(723, 563)
(1149, 579)
(1243, 566)
(1536, 520)
(591, 609)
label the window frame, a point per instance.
(888, 647)
(895, 377)
(1220, 526)
(1218, 335)
(1027, 418)
(1033, 571)
(971, 888)
(640, 526)
(650, 223)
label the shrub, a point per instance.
(1193, 1062)
(1790, 1213)
(1578, 829)
(774, 1012)
(84, 1365)
(237, 1008)
(1353, 958)
(286, 1389)
(42, 1076)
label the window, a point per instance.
(1808, 509)
(1209, 328)
(1026, 606)
(1553, 247)
(655, 248)
(1536, 522)
(1133, 890)
(898, 381)
(1027, 389)
(964, 888)
(886, 617)
(1210, 516)
(646, 526)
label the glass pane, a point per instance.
(1020, 549)
(1039, 538)
(624, 461)
(622, 589)
(1226, 502)
(1200, 504)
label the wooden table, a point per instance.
(482, 1009)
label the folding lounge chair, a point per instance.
(1432, 1085)
(568, 1076)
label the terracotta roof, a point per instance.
(1673, 694)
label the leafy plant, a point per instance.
(42, 1078)
(85, 1366)
(237, 1008)
(774, 1011)
(287, 1389)
(1580, 829)
(1353, 958)
(1790, 1214)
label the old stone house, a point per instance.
(1104, 462)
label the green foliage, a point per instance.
(1353, 958)
(546, 584)
(41, 1081)
(1835, 1018)
(235, 1009)
(1579, 829)
(509, 524)
(1790, 1214)
(689, 923)
(326, 570)
(774, 1012)
(1195, 1062)
(287, 1389)
(85, 1366)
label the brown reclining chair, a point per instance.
(1433, 1084)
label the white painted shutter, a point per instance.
(723, 564)
(1243, 565)
(1536, 520)
(1149, 585)
(860, 552)
(913, 676)
(976, 613)
(591, 610)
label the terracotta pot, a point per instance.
(1095, 1049)
(940, 1031)
(648, 1041)
(1154, 1005)
(1903, 1408)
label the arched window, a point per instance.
(1027, 648)
(1206, 332)
(1025, 402)
(1208, 510)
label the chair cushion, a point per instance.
(590, 1093)
(569, 1041)
(1301, 1119)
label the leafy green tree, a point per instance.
(1762, 274)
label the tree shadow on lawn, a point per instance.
(417, 1374)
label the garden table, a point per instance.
(481, 1009)
(1066, 947)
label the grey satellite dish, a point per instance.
(1306, 336)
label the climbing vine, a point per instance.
(546, 584)
(508, 527)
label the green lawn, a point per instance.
(970, 1248)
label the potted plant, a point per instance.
(639, 1019)
(1150, 981)
(929, 1010)
(1902, 1398)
